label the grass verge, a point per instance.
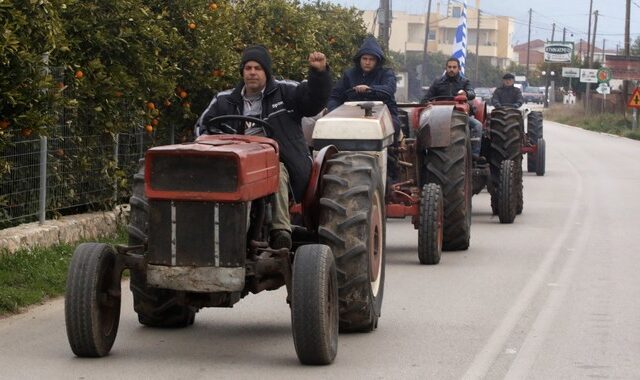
(29, 277)
(608, 123)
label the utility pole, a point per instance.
(384, 21)
(588, 94)
(425, 54)
(477, 48)
(627, 46)
(529, 43)
(553, 32)
(564, 35)
(589, 32)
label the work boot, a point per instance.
(280, 239)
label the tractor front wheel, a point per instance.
(314, 304)
(92, 300)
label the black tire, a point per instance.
(352, 224)
(314, 305)
(92, 300)
(506, 144)
(507, 197)
(450, 167)
(430, 228)
(534, 133)
(155, 307)
(541, 157)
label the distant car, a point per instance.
(533, 94)
(484, 92)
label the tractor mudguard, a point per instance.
(434, 127)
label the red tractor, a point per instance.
(198, 237)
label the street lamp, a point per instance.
(548, 76)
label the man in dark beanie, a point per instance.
(507, 94)
(282, 104)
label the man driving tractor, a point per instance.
(449, 85)
(507, 94)
(282, 104)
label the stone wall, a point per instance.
(66, 230)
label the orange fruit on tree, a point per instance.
(151, 106)
(186, 105)
(213, 6)
(26, 132)
(4, 124)
(118, 94)
(192, 25)
(183, 94)
(79, 74)
(154, 122)
(149, 128)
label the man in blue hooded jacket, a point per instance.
(368, 80)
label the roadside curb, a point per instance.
(66, 230)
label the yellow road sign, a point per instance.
(634, 102)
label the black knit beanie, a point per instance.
(259, 54)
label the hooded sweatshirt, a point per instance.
(381, 81)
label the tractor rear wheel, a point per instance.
(352, 224)
(450, 167)
(534, 133)
(314, 304)
(506, 144)
(92, 300)
(430, 228)
(155, 307)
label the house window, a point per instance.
(456, 12)
(416, 33)
(432, 35)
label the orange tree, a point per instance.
(31, 30)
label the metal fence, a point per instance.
(63, 173)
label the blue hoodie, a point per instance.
(382, 82)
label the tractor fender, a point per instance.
(310, 202)
(434, 126)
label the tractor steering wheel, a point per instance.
(226, 128)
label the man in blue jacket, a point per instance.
(368, 80)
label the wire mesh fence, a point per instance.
(80, 173)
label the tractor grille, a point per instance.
(197, 173)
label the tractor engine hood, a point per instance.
(355, 126)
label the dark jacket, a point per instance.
(381, 80)
(446, 88)
(507, 96)
(283, 105)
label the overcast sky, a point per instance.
(570, 14)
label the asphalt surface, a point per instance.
(556, 295)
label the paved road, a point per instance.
(555, 295)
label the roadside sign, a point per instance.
(521, 78)
(604, 75)
(634, 102)
(558, 52)
(589, 75)
(603, 89)
(571, 72)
